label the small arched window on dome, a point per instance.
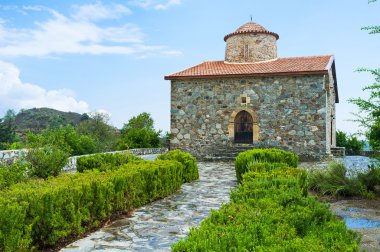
(246, 51)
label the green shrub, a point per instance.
(269, 211)
(14, 232)
(104, 161)
(46, 161)
(189, 162)
(334, 181)
(352, 144)
(371, 178)
(244, 159)
(139, 132)
(40, 213)
(66, 138)
(12, 174)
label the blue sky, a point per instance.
(112, 56)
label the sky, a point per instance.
(112, 56)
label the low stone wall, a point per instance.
(9, 156)
(338, 151)
(228, 152)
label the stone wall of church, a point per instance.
(289, 113)
(250, 48)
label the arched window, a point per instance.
(243, 128)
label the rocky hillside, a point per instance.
(38, 119)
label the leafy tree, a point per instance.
(369, 110)
(7, 129)
(352, 144)
(374, 28)
(341, 138)
(141, 121)
(66, 138)
(98, 127)
(139, 132)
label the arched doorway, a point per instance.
(243, 128)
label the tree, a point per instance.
(369, 110)
(7, 129)
(352, 144)
(141, 121)
(98, 127)
(66, 138)
(374, 28)
(139, 132)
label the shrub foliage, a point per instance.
(12, 174)
(46, 161)
(104, 161)
(39, 213)
(246, 158)
(270, 211)
(189, 162)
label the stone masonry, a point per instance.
(288, 112)
(251, 48)
(254, 99)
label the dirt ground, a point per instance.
(363, 216)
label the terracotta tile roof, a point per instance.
(280, 66)
(251, 27)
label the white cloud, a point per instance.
(99, 11)
(155, 4)
(16, 94)
(81, 32)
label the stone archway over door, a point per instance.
(243, 128)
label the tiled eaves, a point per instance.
(276, 67)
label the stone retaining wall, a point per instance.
(9, 156)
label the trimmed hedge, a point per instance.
(39, 213)
(104, 161)
(189, 162)
(248, 158)
(270, 211)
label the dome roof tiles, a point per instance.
(251, 27)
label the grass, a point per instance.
(335, 181)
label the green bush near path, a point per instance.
(39, 213)
(104, 161)
(190, 163)
(245, 159)
(270, 211)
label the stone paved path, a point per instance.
(156, 226)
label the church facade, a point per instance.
(254, 99)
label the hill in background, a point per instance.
(38, 119)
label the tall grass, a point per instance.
(335, 181)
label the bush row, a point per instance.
(189, 162)
(39, 213)
(104, 161)
(270, 211)
(246, 160)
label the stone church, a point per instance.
(255, 99)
